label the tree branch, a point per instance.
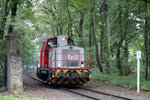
(115, 17)
(132, 36)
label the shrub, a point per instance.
(124, 81)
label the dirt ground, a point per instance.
(117, 90)
(34, 89)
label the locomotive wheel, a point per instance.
(47, 81)
(38, 73)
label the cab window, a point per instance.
(52, 43)
(44, 45)
(70, 43)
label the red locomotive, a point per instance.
(63, 63)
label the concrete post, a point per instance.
(14, 54)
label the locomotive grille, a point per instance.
(70, 62)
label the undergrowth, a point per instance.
(2, 88)
(124, 81)
(14, 98)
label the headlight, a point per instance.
(59, 65)
(63, 39)
(82, 65)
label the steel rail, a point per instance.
(81, 94)
(99, 92)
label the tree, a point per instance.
(146, 40)
(4, 18)
(94, 36)
(126, 52)
(70, 21)
(107, 26)
(101, 11)
(13, 15)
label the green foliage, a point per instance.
(2, 63)
(3, 48)
(2, 88)
(124, 81)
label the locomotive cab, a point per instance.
(63, 63)
(51, 44)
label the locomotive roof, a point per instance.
(54, 38)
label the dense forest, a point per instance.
(112, 30)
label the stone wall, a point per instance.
(14, 54)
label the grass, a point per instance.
(14, 98)
(124, 81)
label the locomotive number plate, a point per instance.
(73, 56)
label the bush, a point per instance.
(124, 81)
(2, 76)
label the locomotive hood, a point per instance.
(70, 56)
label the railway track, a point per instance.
(96, 95)
(121, 97)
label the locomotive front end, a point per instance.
(63, 63)
(68, 65)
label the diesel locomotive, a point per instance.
(61, 62)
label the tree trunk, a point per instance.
(94, 37)
(70, 22)
(90, 39)
(119, 64)
(126, 32)
(4, 19)
(81, 28)
(119, 60)
(126, 51)
(107, 61)
(146, 41)
(57, 29)
(13, 15)
(102, 36)
(61, 30)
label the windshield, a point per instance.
(70, 43)
(52, 43)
